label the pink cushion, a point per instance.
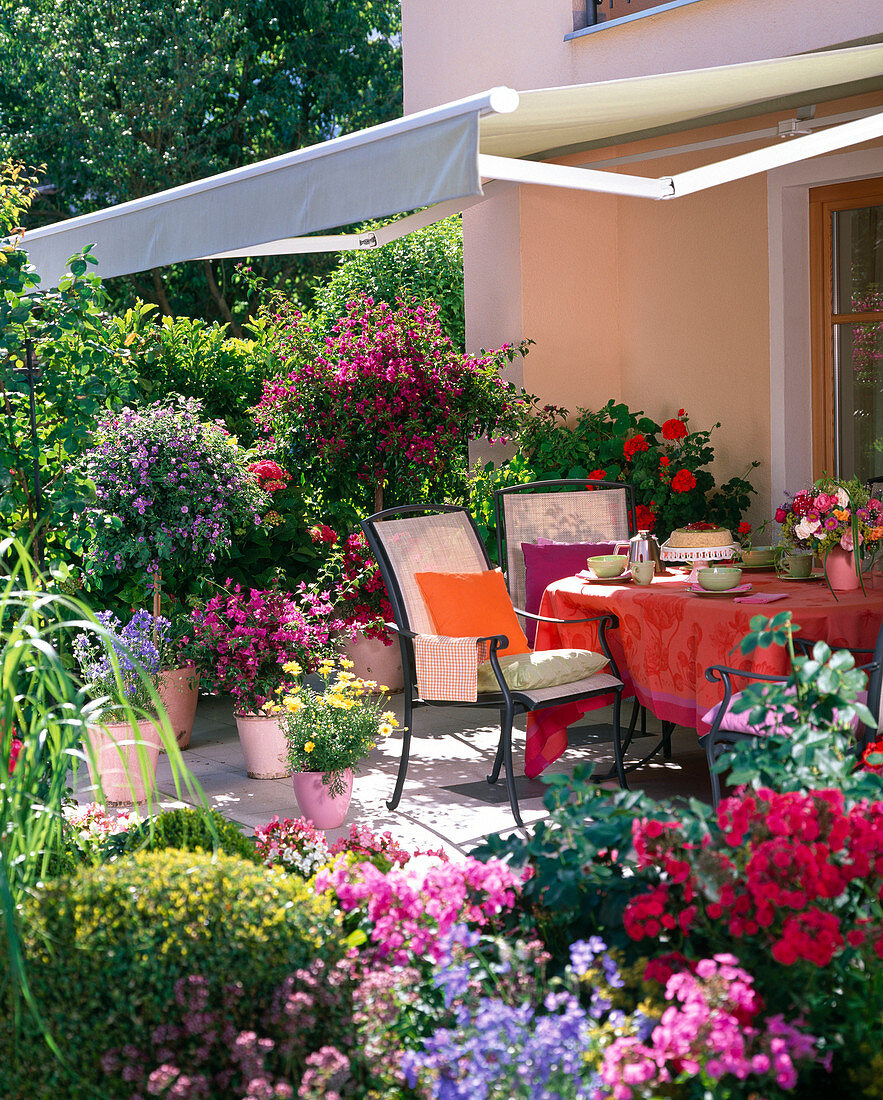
(546, 562)
(738, 723)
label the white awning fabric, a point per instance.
(438, 158)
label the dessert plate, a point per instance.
(588, 575)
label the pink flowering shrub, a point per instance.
(387, 400)
(408, 912)
(251, 634)
(348, 593)
(711, 1029)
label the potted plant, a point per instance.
(831, 520)
(327, 735)
(182, 657)
(261, 643)
(121, 664)
(350, 597)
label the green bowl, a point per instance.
(608, 565)
(719, 578)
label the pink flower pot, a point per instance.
(840, 569)
(372, 660)
(326, 811)
(263, 746)
(179, 691)
(117, 763)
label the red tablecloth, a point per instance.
(667, 636)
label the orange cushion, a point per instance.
(472, 605)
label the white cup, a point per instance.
(642, 571)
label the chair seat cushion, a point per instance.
(546, 562)
(547, 668)
(472, 605)
(775, 723)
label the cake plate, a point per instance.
(700, 556)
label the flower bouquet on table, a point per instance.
(328, 734)
(839, 521)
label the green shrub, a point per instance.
(187, 830)
(107, 947)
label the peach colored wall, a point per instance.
(461, 47)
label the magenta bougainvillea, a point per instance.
(387, 401)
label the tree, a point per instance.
(426, 265)
(122, 99)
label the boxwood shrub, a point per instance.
(105, 949)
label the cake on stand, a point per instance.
(700, 556)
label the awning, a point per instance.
(438, 159)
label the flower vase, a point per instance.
(840, 570)
(317, 804)
(178, 689)
(373, 660)
(263, 745)
(115, 762)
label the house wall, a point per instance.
(663, 305)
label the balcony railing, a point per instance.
(599, 12)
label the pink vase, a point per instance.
(263, 745)
(178, 689)
(317, 804)
(125, 774)
(840, 570)
(372, 660)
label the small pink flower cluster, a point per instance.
(710, 1029)
(778, 869)
(91, 824)
(270, 476)
(14, 749)
(411, 911)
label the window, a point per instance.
(846, 273)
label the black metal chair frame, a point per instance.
(716, 740)
(571, 484)
(508, 702)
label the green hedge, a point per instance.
(105, 949)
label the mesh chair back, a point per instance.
(605, 514)
(444, 542)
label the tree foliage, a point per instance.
(122, 99)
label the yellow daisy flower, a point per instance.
(309, 746)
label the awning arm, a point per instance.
(373, 238)
(579, 179)
(788, 151)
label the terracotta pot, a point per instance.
(118, 764)
(263, 745)
(372, 660)
(840, 570)
(317, 804)
(179, 691)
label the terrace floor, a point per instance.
(447, 802)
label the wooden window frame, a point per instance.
(823, 202)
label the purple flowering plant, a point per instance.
(251, 635)
(122, 659)
(169, 486)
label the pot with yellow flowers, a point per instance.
(329, 734)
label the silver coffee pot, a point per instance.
(642, 547)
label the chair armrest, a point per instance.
(726, 673)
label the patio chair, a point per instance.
(443, 540)
(728, 727)
(580, 516)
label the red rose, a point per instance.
(683, 481)
(631, 446)
(598, 475)
(674, 429)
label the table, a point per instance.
(668, 636)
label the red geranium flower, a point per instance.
(631, 446)
(645, 517)
(683, 481)
(598, 475)
(674, 429)
(743, 528)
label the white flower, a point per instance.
(806, 527)
(842, 498)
